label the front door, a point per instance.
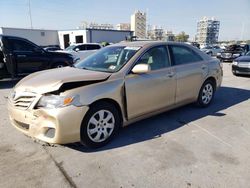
(154, 90)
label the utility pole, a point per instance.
(31, 25)
(242, 30)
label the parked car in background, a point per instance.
(241, 65)
(52, 48)
(19, 57)
(83, 50)
(211, 50)
(195, 44)
(118, 85)
(230, 53)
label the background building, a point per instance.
(93, 25)
(156, 33)
(123, 26)
(69, 37)
(169, 35)
(40, 37)
(138, 24)
(207, 31)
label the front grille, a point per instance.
(22, 100)
(244, 64)
(226, 55)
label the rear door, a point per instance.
(154, 90)
(190, 72)
(29, 57)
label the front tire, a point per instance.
(206, 94)
(58, 65)
(210, 53)
(100, 125)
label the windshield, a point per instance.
(109, 59)
(248, 53)
(70, 48)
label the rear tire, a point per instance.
(235, 74)
(206, 94)
(100, 125)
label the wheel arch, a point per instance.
(112, 102)
(213, 80)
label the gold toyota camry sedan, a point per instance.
(116, 86)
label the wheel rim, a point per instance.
(207, 93)
(100, 126)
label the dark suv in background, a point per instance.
(19, 57)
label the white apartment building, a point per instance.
(207, 31)
(138, 24)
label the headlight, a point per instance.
(56, 101)
(235, 63)
(236, 55)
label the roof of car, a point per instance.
(10, 36)
(85, 43)
(144, 43)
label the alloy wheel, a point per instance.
(207, 93)
(101, 125)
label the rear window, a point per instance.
(92, 47)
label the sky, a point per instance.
(175, 15)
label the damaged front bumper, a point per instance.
(57, 126)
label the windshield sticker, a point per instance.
(112, 67)
(132, 48)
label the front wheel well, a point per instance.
(109, 101)
(213, 80)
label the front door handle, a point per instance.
(170, 74)
(203, 67)
(21, 55)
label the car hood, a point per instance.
(51, 80)
(58, 53)
(243, 59)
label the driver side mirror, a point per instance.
(141, 69)
(77, 49)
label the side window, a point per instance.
(183, 55)
(81, 47)
(92, 47)
(156, 57)
(20, 45)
